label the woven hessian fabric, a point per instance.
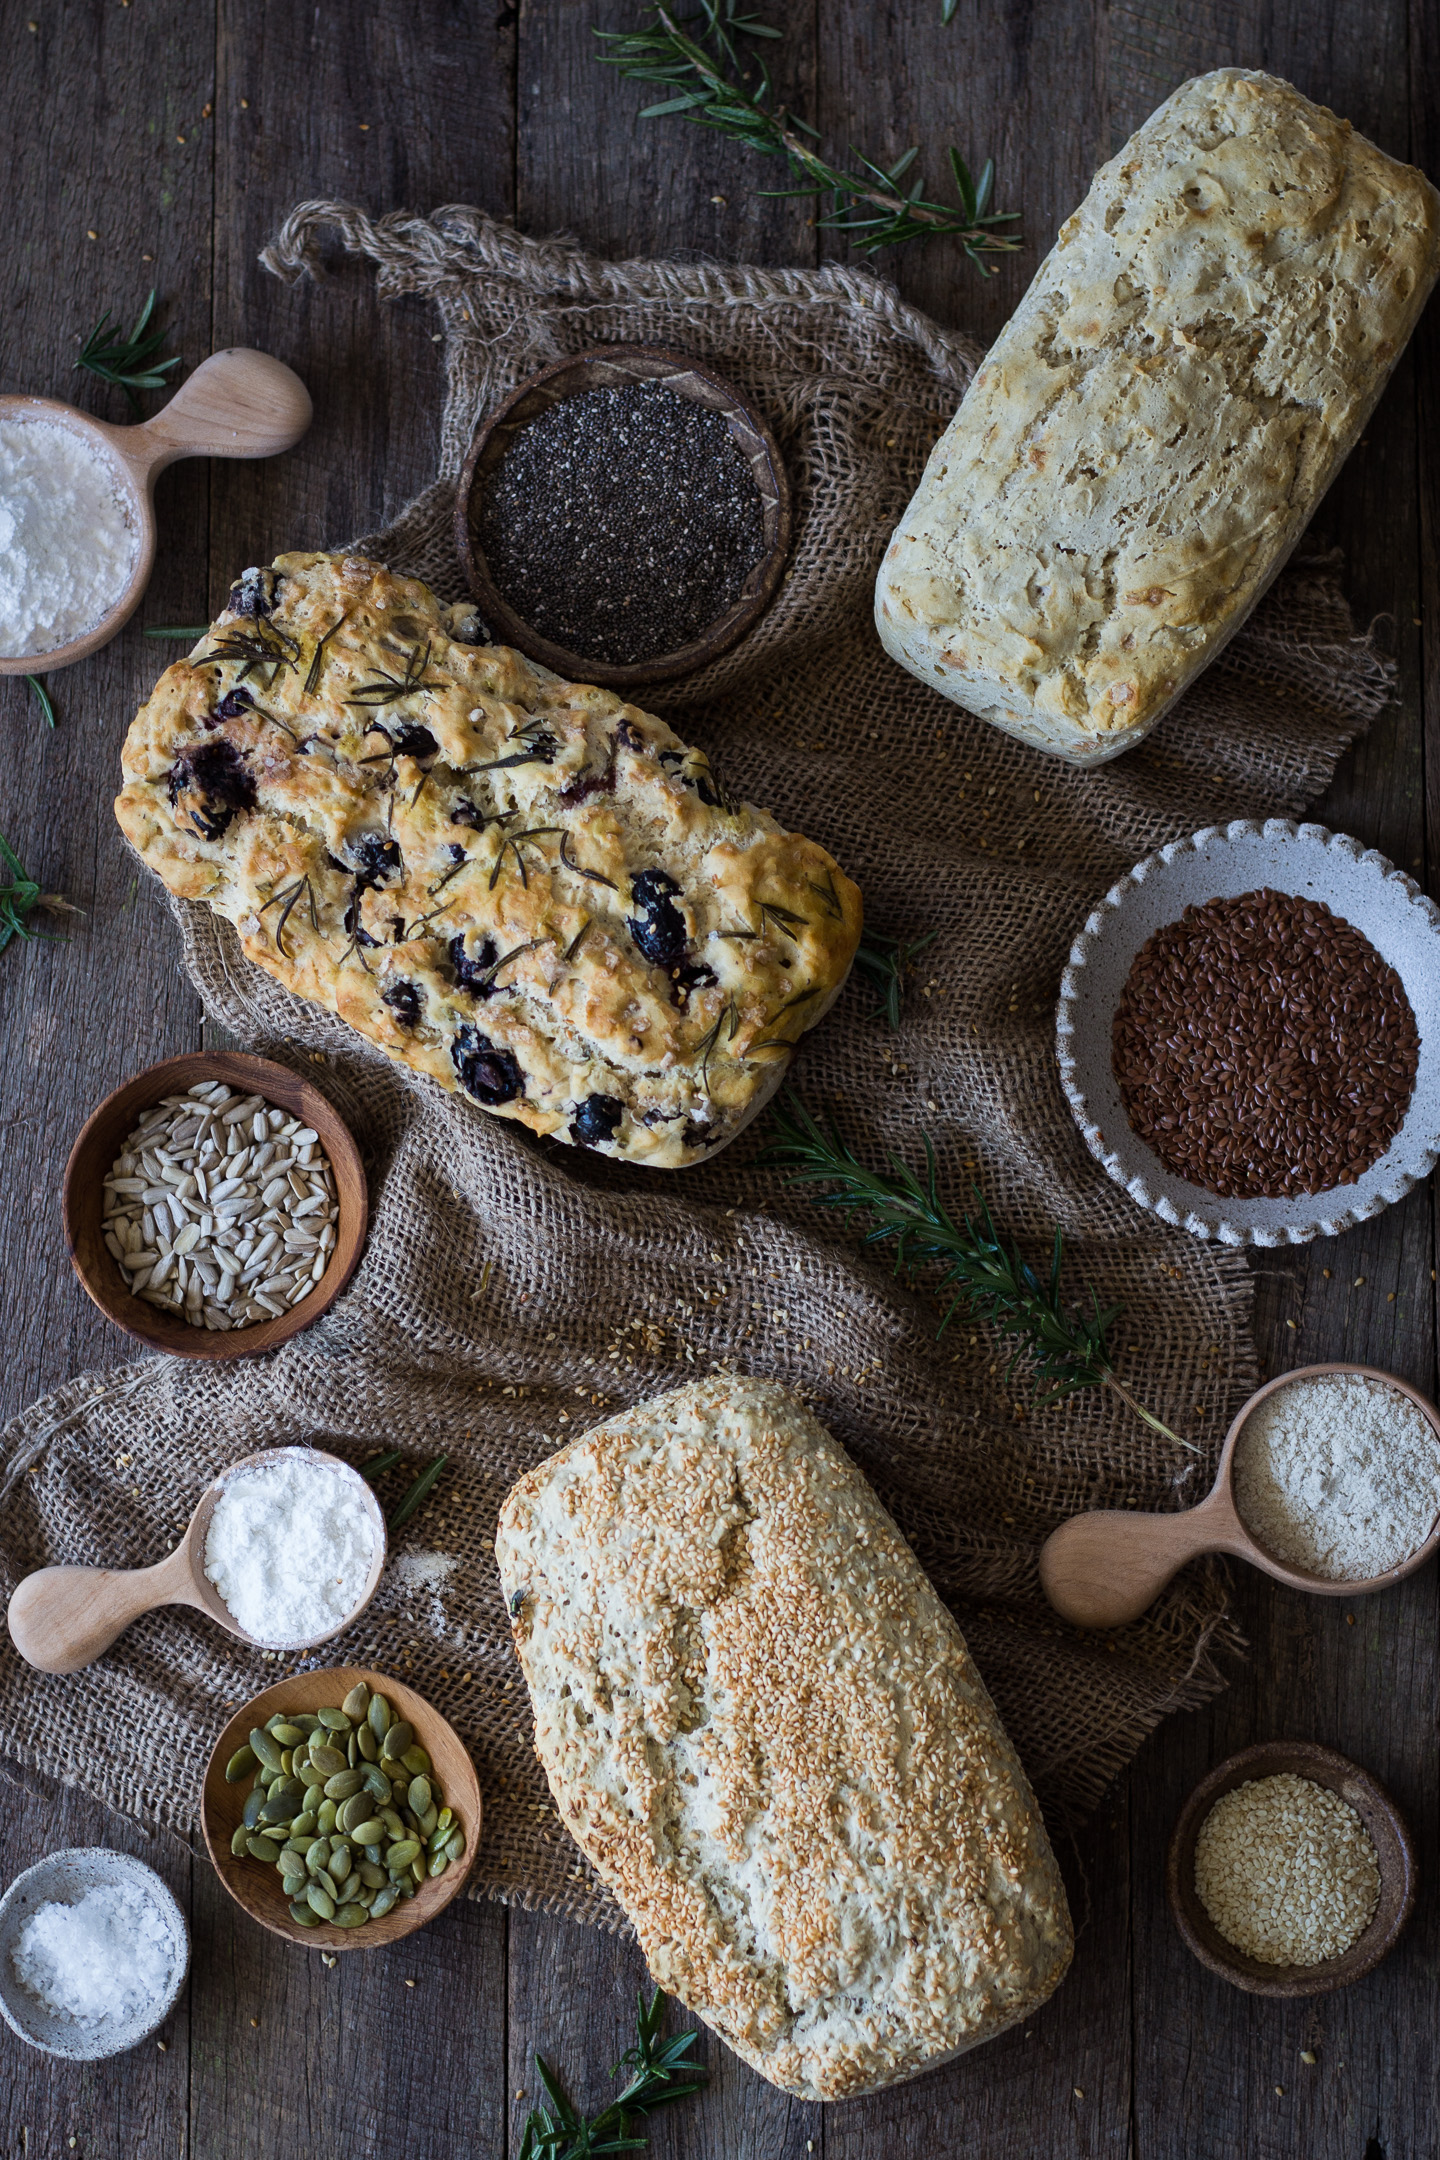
(513, 1291)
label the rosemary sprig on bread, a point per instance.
(986, 1272)
(717, 83)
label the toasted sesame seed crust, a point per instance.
(766, 1733)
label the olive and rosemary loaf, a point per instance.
(765, 1731)
(1152, 429)
(522, 886)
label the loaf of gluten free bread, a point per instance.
(1155, 424)
(522, 886)
(765, 1731)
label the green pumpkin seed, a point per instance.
(328, 1759)
(292, 1870)
(306, 1720)
(417, 1869)
(455, 1843)
(317, 1853)
(241, 1763)
(438, 1865)
(320, 1901)
(417, 1762)
(401, 1853)
(384, 1900)
(397, 1738)
(296, 1844)
(376, 1783)
(417, 1798)
(326, 1881)
(262, 1848)
(303, 1914)
(277, 1810)
(266, 1777)
(348, 1916)
(352, 1750)
(343, 1784)
(287, 1761)
(309, 1776)
(289, 1735)
(240, 1842)
(379, 1716)
(373, 1852)
(356, 1808)
(334, 1720)
(366, 1744)
(363, 1896)
(325, 1816)
(265, 1749)
(391, 1819)
(444, 1819)
(305, 1825)
(276, 1718)
(254, 1801)
(357, 1702)
(373, 1877)
(367, 1833)
(340, 1863)
(428, 1821)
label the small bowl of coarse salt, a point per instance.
(215, 1205)
(285, 1549)
(93, 1953)
(77, 510)
(1291, 1871)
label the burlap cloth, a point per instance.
(512, 1291)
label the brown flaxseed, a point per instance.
(1263, 1047)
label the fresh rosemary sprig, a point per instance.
(419, 1493)
(883, 961)
(988, 1274)
(129, 362)
(20, 898)
(663, 2070)
(47, 703)
(191, 634)
(718, 85)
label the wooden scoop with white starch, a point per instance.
(1104, 1568)
(64, 1617)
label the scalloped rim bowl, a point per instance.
(1220, 862)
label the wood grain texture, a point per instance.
(1142, 2053)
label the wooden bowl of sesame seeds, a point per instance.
(98, 1146)
(1389, 1834)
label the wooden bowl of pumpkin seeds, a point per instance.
(340, 1809)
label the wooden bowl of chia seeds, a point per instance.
(99, 1145)
(1388, 1834)
(624, 517)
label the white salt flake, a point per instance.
(105, 1957)
(1338, 1476)
(290, 1547)
(67, 543)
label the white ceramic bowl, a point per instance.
(63, 1878)
(1220, 863)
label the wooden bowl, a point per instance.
(256, 1888)
(237, 404)
(100, 1141)
(1393, 1850)
(602, 368)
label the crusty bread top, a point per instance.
(766, 1732)
(521, 886)
(1160, 415)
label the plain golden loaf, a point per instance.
(1156, 423)
(765, 1731)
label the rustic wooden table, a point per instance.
(160, 142)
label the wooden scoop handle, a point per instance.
(1104, 1568)
(64, 1617)
(237, 404)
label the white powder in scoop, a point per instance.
(290, 1547)
(108, 1956)
(1339, 1476)
(67, 546)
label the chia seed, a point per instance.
(620, 523)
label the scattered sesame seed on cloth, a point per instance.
(1287, 1871)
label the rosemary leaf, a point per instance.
(986, 1273)
(716, 82)
(883, 961)
(129, 363)
(662, 2071)
(47, 703)
(418, 1494)
(377, 1465)
(20, 898)
(190, 634)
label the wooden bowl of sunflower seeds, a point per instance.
(332, 1741)
(215, 1205)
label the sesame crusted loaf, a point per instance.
(765, 1731)
(1152, 429)
(521, 886)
